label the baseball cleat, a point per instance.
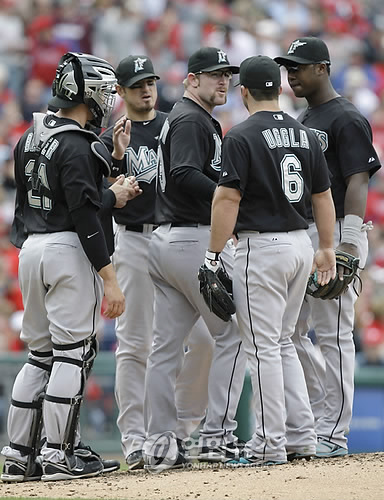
(14, 471)
(252, 461)
(305, 453)
(327, 449)
(160, 464)
(86, 453)
(135, 460)
(72, 467)
(222, 453)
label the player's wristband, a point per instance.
(212, 260)
(351, 229)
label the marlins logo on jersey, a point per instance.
(142, 164)
(323, 138)
(216, 161)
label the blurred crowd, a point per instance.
(35, 33)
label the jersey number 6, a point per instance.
(292, 182)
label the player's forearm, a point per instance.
(91, 235)
(225, 207)
(108, 274)
(325, 218)
(356, 195)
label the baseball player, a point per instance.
(64, 268)
(134, 328)
(188, 170)
(346, 140)
(272, 169)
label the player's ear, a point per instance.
(280, 90)
(244, 91)
(120, 90)
(193, 80)
(321, 68)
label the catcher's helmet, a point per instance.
(83, 78)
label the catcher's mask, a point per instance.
(83, 78)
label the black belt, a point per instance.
(184, 224)
(138, 228)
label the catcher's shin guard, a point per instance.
(32, 449)
(31, 446)
(90, 347)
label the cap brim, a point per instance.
(58, 102)
(291, 60)
(131, 81)
(235, 69)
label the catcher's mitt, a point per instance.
(335, 287)
(216, 288)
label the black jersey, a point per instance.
(190, 138)
(345, 137)
(54, 177)
(140, 160)
(277, 164)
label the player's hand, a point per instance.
(114, 296)
(115, 299)
(131, 183)
(324, 263)
(125, 189)
(121, 137)
(347, 248)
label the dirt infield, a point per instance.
(355, 477)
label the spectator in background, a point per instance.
(72, 26)
(13, 44)
(372, 341)
(44, 52)
(236, 42)
(115, 29)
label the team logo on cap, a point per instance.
(139, 64)
(67, 85)
(294, 46)
(222, 56)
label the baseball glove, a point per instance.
(216, 288)
(335, 287)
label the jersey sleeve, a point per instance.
(195, 155)
(107, 138)
(79, 182)
(18, 231)
(354, 147)
(234, 164)
(118, 166)
(320, 172)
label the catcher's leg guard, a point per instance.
(87, 350)
(25, 419)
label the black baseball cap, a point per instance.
(259, 72)
(209, 59)
(132, 69)
(306, 50)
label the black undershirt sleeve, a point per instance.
(193, 182)
(109, 200)
(117, 167)
(91, 235)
